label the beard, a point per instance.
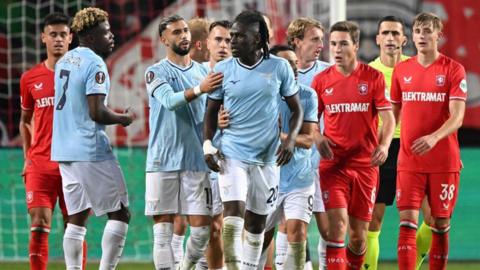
(180, 51)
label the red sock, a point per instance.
(438, 255)
(354, 261)
(38, 247)
(267, 268)
(407, 245)
(84, 259)
(336, 257)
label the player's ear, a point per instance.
(377, 39)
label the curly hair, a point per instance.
(297, 28)
(88, 18)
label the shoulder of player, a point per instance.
(37, 70)
(224, 64)
(452, 64)
(325, 73)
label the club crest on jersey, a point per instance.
(29, 196)
(440, 80)
(407, 80)
(149, 76)
(329, 91)
(325, 196)
(362, 89)
(100, 77)
(463, 85)
(38, 87)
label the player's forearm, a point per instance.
(396, 109)
(105, 116)
(388, 128)
(304, 141)
(295, 123)
(26, 137)
(453, 123)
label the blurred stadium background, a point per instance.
(134, 23)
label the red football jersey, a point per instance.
(425, 94)
(350, 106)
(37, 94)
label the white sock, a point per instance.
(196, 246)
(113, 241)
(296, 253)
(252, 249)
(73, 246)
(308, 265)
(162, 246)
(177, 247)
(322, 253)
(263, 260)
(202, 263)
(281, 244)
(232, 241)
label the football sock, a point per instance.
(424, 240)
(322, 253)
(336, 256)
(373, 251)
(407, 247)
(295, 258)
(162, 246)
(439, 251)
(232, 241)
(196, 246)
(252, 248)
(38, 247)
(113, 241)
(355, 260)
(73, 246)
(177, 247)
(281, 246)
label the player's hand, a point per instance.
(379, 155)
(211, 82)
(324, 145)
(285, 151)
(423, 144)
(212, 163)
(128, 118)
(223, 118)
(212, 156)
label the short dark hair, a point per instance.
(223, 23)
(249, 17)
(55, 18)
(164, 22)
(280, 48)
(391, 18)
(347, 26)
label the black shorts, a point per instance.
(388, 175)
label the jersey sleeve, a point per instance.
(395, 90)
(26, 99)
(311, 108)
(318, 88)
(458, 89)
(381, 102)
(218, 93)
(96, 79)
(159, 88)
(289, 86)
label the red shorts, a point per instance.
(42, 190)
(440, 188)
(354, 188)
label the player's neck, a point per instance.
(212, 63)
(427, 58)
(305, 64)
(179, 60)
(251, 59)
(51, 61)
(347, 69)
(390, 60)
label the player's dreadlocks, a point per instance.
(250, 17)
(88, 18)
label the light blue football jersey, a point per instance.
(250, 94)
(305, 77)
(76, 137)
(298, 173)
(175, 140)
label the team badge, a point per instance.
(399, 192)
(440, 80)
(463, 85)
(29, 196)
(100, 77)
(325, 196)
(362, 89)
(149, 76)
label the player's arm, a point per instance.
(305, 136)
(285, 151)
(101, 114)
(424, 144)
(25, 130)
(209, 84)
(380, 153)
(209, 129)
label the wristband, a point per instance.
(197, 91)
(208, 148)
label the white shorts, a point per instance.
(255, 185)
(318, 205)
(217, 205)
(183, 192)
(98, 185)
(297, 204)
